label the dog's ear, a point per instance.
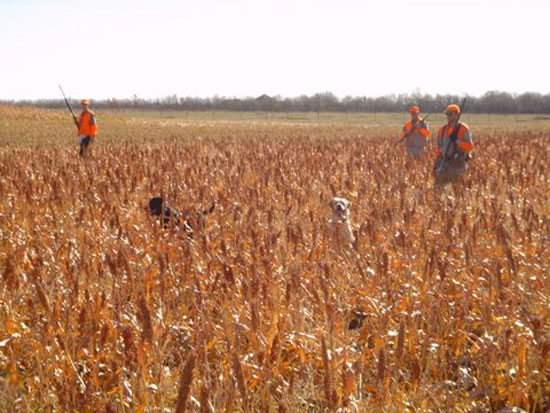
(331, 204)
(348, 204)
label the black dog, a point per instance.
(158, 208)
(169, 216)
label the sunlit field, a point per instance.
(103, 309)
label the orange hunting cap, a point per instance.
(85, 101)
(453, 108)
(414, 109)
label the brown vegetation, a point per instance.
(101, 309)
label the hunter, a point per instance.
(415, 133)
(455, 147)
(87, 126)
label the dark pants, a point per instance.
(84, 144)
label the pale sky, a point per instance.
(242, 48)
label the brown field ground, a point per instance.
(103, 310)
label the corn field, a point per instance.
(102, 309)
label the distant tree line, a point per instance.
(490, 102)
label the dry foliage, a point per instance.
(103, 310)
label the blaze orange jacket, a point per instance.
(463, 139)
(419, 127)
(87, 124)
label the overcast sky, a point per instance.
(241, 48)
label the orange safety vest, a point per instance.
(463, 138)
(87, 124)
(420, 128)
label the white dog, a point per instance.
(340, 225)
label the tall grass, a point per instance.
(102, 309)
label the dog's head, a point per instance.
(159, 208)
(155, 206)
(340, 208)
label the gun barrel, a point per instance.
(69, 107)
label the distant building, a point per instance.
(265, 102)
(264, 99)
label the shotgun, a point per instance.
(70, 108)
